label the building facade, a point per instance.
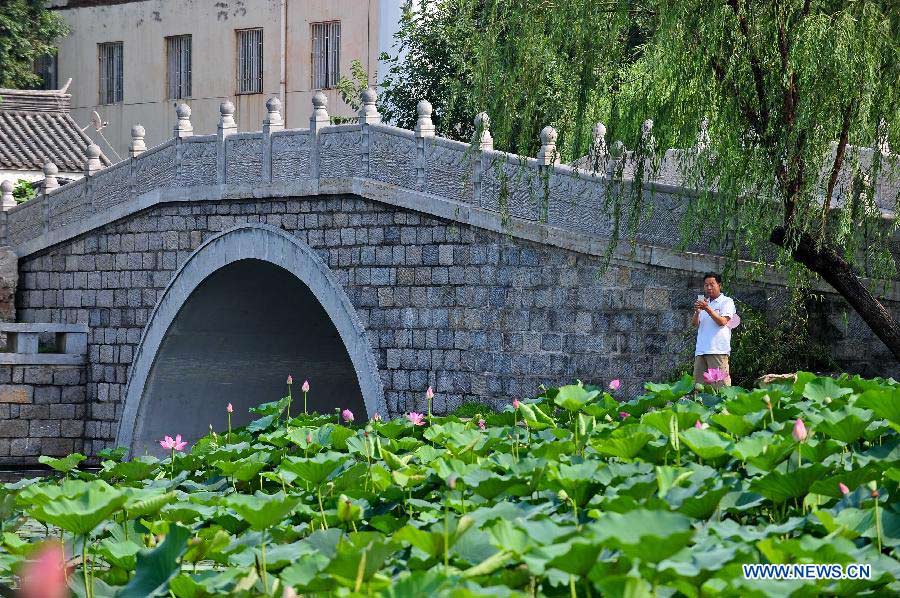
(132, 60)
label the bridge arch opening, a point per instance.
(249, 307)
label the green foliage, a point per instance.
(675, 497)
(351, 89)
(27, 32)
(793, 93)
(24, 191)
(472, 409)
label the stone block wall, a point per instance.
(478, 315)
(42, 412)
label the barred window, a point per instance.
(45, 68)
(178, 61)
(250, 61)
(326, 54)
(111, 75)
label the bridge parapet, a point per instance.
(380, 159)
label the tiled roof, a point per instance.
(36, 126)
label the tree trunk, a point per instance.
(836, 271)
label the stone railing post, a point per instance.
(137, 146)
(599, 152)
(50, 183)
(548, 155)
(703, 136)
(273, 122)
(646, 151)
(482, 162)
(7, 201)
(368, 115)
(424, 129)
(318, 120)
(92, 166)
(883, 146)
(226, 127)
(183, 129)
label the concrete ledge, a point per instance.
(41, 328)
(41, 359)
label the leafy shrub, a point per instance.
(472, 409)
(569, 493)
(24, 191)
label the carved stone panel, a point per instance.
(26, 223)
(154, 170)
(448, 172)
(339, 156)
(243, 159)
(70, 204)
(392, 159)
(198, 163)
(513, 189)
(111, 187)
(290, 156)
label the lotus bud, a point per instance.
(624, 414)
(827, 400)
(561, 495)
(481, 424)
(429, 394)
(290, 380)
(698, 425)
(768, 401)
(843, 488)
(229, 408)
(451, 481)
(516, 403)
(308, 438)
(347, 415)
(376, 417)
(799, 433)
(305, 387)
(873, 486)
(615, 384)
(607, 417)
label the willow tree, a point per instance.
(796, 94)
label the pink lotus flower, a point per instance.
(481, 424)
(347, 415)
(624, 414)
(176, 445)
(843, 488)
(698, 425)
(290, 380)
(305, 387)
(714, 376)
(429, 394)
(516, 403)
(417, 419)
(376, 417)
(229, 408)
(45, 575)
(799, 432)
(615, 384)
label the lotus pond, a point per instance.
(570, 493)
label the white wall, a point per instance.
(142, 27)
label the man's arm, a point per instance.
(719, 320)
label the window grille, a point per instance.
(45, 68)
(178, 61)
(111, 75)
(250, 61)
(326, 54)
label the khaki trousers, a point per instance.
(705, 362)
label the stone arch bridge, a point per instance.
(372, 260)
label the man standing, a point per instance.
(711, 315)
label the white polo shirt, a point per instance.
(713, 339)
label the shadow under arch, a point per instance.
(237, 287)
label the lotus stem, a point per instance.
(229, 428)
(321, 508)
(305, 412)
(265, 577)
(446, 535)
(878, 530)
(84, 568)
(572, 591)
